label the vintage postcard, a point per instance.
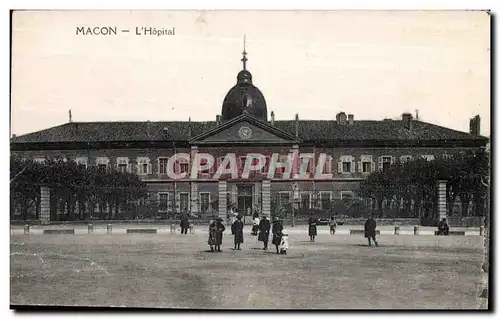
(250, 159)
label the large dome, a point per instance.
(244, 96)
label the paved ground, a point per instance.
(173, 270)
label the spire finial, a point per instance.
(244, 59)
(70, 117)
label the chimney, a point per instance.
(217, 119)
(475, 125)
(297, 124)
(13, 135)
(341, 118)
(408, 121)
(350, 119)
(272, 117)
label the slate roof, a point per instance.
(309, 130)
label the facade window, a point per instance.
(143, 166)
(265, 168)
(81, 161)
(305, 200)
(184, 167)
(327, 169)
(184, 202)
(405, 158)
(102, 163)
(205, 202)
(122, 164)
(428, 157)
(165, 201)
(326, 200)
(366, 164)
(367, 167)
(385, 162)
(282, 159)
(346, 164)
(284, 198)
(162, 165)
(243, 160)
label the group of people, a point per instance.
(262, 227)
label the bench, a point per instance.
(142, 231)
(452, 233)
(361, 232)
(58, 231)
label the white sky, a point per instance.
(373, 64)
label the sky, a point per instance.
(373, 64)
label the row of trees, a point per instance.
(414, 184)
(71, 185)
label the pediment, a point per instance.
(245, 130)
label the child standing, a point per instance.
(284, 242)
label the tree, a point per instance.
(71, 184)
(415, 182)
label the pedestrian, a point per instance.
(333, 225)
(264, 227)
(443, 228)
(370, 226)
(284, 242)
(313, 231)
(212, 234)
(255, 227)
(277, 229)
(184, 222)
(237, 231)
(216, 231)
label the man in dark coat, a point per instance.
(443, 228)
(313, 231)
(370, 226)
(184, 222)
(264, 227)
(237, 231)
(277, 233)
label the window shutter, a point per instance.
(380, 164)
(360, 167)
(373, 167)
(150, 168)
(339, 166)
(393, 159)
(353, 165)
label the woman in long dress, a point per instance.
(313, 231)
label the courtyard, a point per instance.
(177, 271)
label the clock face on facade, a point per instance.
(245, 132)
